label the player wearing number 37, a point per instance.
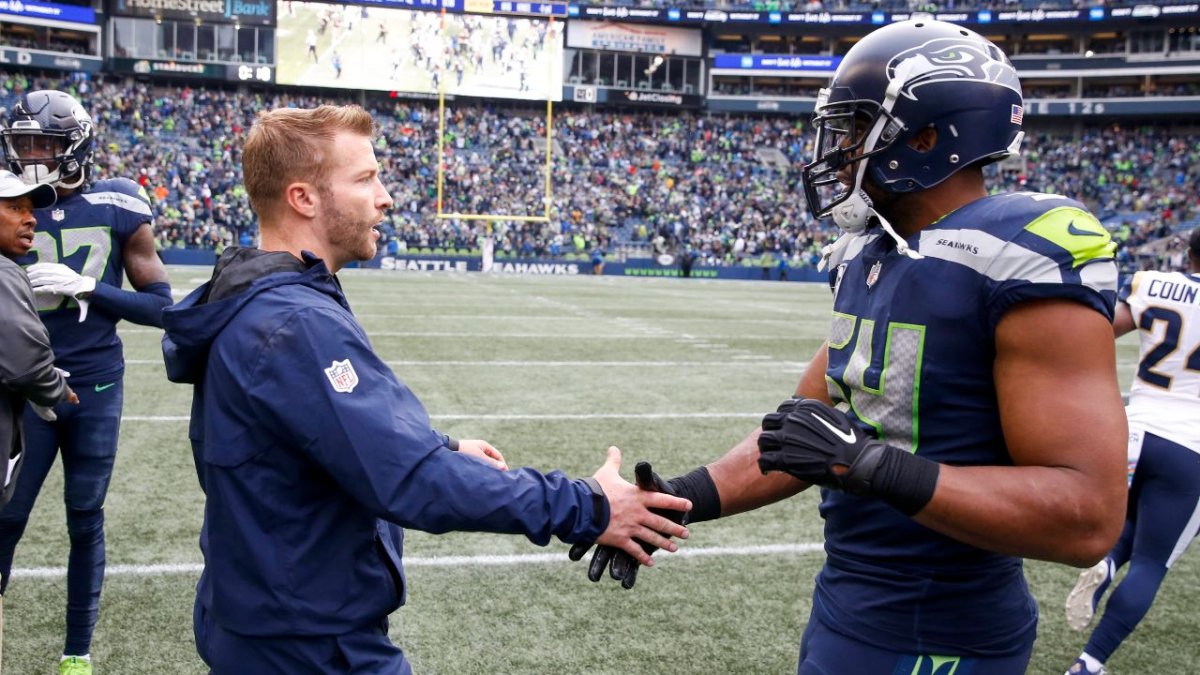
(964, 412)
(83, 245)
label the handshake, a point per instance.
(623, 559)
(804, 438)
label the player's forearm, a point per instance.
(740, 482)
(743, 486)
(142, 307)
(1058, 514)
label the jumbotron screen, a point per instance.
(355, 47)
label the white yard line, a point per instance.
(568, 364)
(525, 417)
(595, 337)
(442, 561)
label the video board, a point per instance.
(388, 49)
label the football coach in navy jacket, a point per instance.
(311, 453)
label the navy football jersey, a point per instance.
(911, 353)
(87, 232)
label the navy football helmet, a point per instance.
(48, 139)
(891, 85)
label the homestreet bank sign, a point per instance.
(259, 12)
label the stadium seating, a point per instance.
(634, 184)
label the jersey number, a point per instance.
(890, 403)
(1173, 325)
(97, 240)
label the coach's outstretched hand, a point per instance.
(622, 566)
(634, 514)
(640, 521)
(819, 444)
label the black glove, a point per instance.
(622, 566)
(819, 445)
(774, 421)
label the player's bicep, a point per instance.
(1060, 404)
(142, 264)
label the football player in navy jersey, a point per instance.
(96, 234)
(964, 412)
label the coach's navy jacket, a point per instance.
(312, 455)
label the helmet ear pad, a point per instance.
(908, 166)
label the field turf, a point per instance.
(552, 371)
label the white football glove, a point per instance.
(58, 279)
(45, 412)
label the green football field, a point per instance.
(551, 371)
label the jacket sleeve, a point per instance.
(319, 384)
(26, 360)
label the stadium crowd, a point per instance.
(723, 187)
(858, 5)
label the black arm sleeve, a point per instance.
(142, 307)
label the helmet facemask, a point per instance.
(44, 156)
(48, 139)
(849, 134)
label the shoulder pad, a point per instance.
(122, 193)
(1075, 231)
(847, 247)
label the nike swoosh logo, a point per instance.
(847, 436)
(101, 387)
(1071, 229)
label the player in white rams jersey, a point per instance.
(1164, 444)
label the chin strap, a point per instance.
(82, 176)
(901, 245)
(828, 250)
(858, 209)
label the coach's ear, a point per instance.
(303, 198)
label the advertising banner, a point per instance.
(208, 71)
(48, 10)
(776, 62)
(246, 12)
(654, 99)
(39, 59)
(878, 17)
(630, 37)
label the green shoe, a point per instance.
(73, 665)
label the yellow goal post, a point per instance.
(547, 197)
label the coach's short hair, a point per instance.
(1194, 243)
(287, 145)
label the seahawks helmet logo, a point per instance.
(950, 59)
